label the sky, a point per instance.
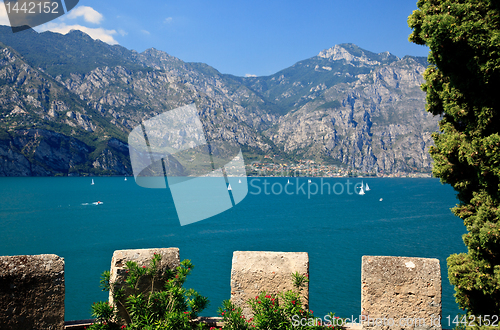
(239, 37)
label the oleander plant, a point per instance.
(284, 310)
(147, 308)
(173, 307)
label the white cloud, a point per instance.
(95, 33)
(121, 32)
(146, 32)
(168, 20)
(4, 19)
(89, 14)
(250, 75)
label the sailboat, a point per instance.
(125, 179)
(309, 181)
(92, 182)
(361, 191)
(288, 182)
(367, 188)
(239, 181)
(229, 187)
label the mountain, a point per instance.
(68, 103)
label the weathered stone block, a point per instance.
(32, 292)
(118, 274)
(402, 292)
(256, 271)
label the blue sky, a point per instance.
(244, 37)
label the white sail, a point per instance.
(92, 181)
(229, 187)
(288, 181)
(361, 191)
(239, 181)
(367, 188)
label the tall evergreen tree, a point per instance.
(463, 86)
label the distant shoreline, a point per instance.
(389, 176)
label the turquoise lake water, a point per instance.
(49, 215)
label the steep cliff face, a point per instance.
(47, 130)
(129, 97)
(346, 106)
(34, 97)
(374, 123)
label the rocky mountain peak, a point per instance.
(339, 52)
(346, 106)
(355, 55)
(156, 53)
(78, 34)
(388, 56)
(158, 59)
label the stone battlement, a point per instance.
(393, 289)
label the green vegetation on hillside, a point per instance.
(335, 104)
(59, 54)
(93, 92)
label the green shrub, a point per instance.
(284, 311)
(172, 307)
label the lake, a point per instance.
(56, 215)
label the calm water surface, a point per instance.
(50, 215)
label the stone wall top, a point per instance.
(170, 260)
(401, 289)
(32, 292)
(170, 256)
(39, 265)
(256, 271)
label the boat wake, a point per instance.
(93, 203)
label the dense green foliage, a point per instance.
(462, 85)
(175, 308)
(284, 311)
(169, 308)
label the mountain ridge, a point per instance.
(345, 105)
